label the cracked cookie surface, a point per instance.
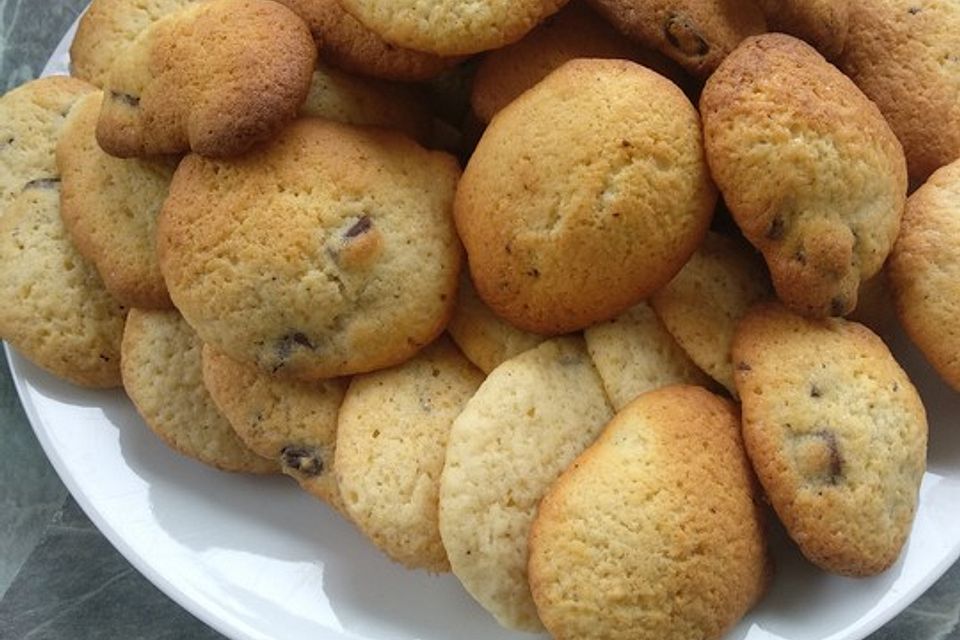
(332, 251)
(836, 433)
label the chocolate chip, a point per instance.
(682, 35)
(815, 391)
(913, 10)
(125, 98)
(836, 459)
(359, 228)
(777, 229)
(838, 306)
(285, 345)
(743, 366)
(306, 460)
(800, 256)
(534, 273)
(105, 357)
(42, 183)
(6, 143)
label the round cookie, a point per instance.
(31, 117)
(391, 445)
(107, 28)
(584, 196)
(901, 53)
(655, 530)
(574, 32)
(809, 168)
(162, 374)
(634, 353)
(530, 418)
(215, 77)
(56, 311)
(697, 34)
(703, 304)
(924, 271)
(821, 23)
(329, 252)
(451, 27)
(837, 435)
(488, 341)
(291, 422)
(345, 43)
(336, 95)
(109, 207)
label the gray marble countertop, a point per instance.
(59, 577)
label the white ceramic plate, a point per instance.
(257, 558)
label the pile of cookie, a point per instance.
(492, 308)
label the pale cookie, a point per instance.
(697, 34)
(634, 353)
(821, 23)
(902, 54)
(575, 32)
(812, 173)
(451, 27)
(488, 341)
(875, 303)
(110, 205)
(162, 375)
(584, 196)
(31, 117)
(215, 77)
(836, 433)
(339, 96)
(107, 28)
(345, 43)
(703, 304)
(924, 271)
(291, 422)
(655, 531)
(391, 444)
(329, 252)
(530, 418)
(55, 311)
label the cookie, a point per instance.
(875, 304)
(821, 23)
(655, 530)
(162, 374)
(31, 117)
(56, 311)
(811, 171)
(451, 27)
(703, 304)
(634, 353)
(346, 44)
(485, 339)
(109, 207)
(923, 271)
(339, 96)
(901, 54)
(530, 418)
(584, 196)
(697, 34)
(107, 28)
(215, 77)
(391, 444)
(836, 433)
(329, 252)
(574, 32)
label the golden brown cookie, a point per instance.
(290, 422)
(702, 305)
(655, 530)
(902, 54)
(391, 444)
(345, 43)
(697, 34)
(329, 252)
(162, 374)
(109, 207)
(584, 196)
(811, 171)
(924, 271)
(215, 77)
(821, 23)
(836, 433)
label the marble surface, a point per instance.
(59, 578)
